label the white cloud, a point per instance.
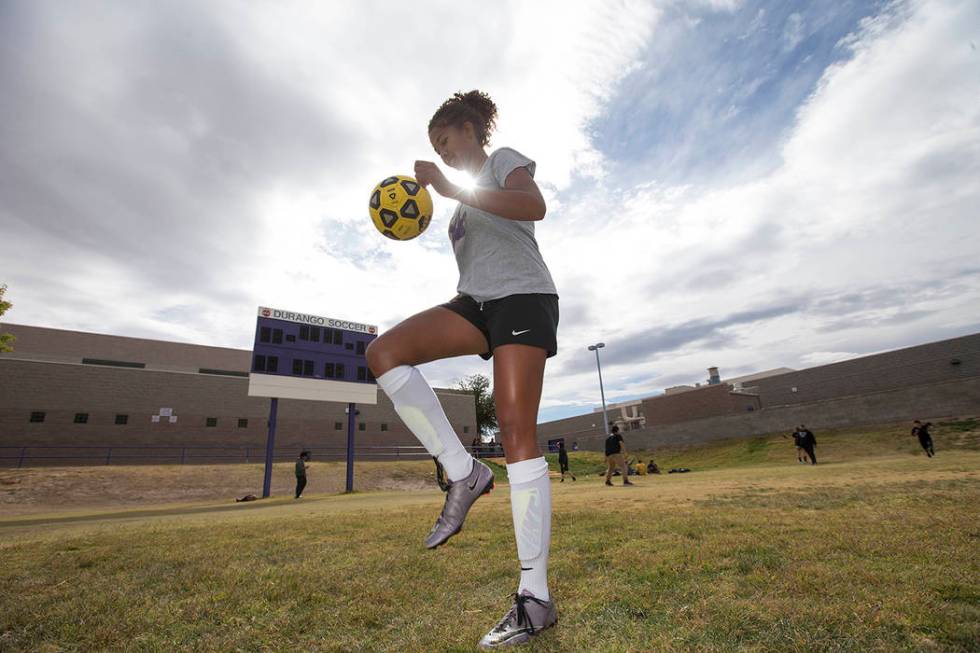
(877, 189)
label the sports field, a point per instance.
(875, 549)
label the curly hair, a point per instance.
(474, 107)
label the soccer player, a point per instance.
(808, 441)
(506, 309)
(797, 436)
(616, 457)
(921, 431)
(563, 460)
(301, 467)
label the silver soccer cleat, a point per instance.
(526, 618)
(460, 496)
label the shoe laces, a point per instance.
(520, 612)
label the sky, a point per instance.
(748, 185)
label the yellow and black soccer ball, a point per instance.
(400, 207)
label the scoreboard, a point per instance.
(303, 356)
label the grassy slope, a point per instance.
(874, 551)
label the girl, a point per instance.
(506, 309)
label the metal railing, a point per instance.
(54, 455)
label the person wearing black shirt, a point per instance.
(808, 442)
(925, 438)
(301, 467)
(563, 460)
(616, 457)
(797, 436)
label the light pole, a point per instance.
(596, 347)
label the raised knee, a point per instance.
(379, 357)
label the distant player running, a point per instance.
(507, 309)
(921, 431)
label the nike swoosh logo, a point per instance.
(517, 333)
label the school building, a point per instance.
(69, 397)
(930, 381)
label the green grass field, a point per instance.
(875, 549)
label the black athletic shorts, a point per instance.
(512, 320)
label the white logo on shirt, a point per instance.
(517, 333)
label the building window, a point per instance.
(384, 426)
(360, 347)
(259, 365)
(466, 429)
(122, 419)
(328, 371)
(338, 337)
(290, 337)
(297, 366)
(315, 334)
(242, 423)
(265, 334)
(100, 361)
(211, 421)
(307, 368)
(361, 426)
(338, 426)
(209, 370)
(277, 336)
(362, 374)
(304, 332)
(37, 416)
(339, 370)
(272, 364)
(81, 418)
(349, 346)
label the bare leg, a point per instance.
(518, 374)
(427, 336)
(431, 335)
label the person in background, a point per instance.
(301, 467)
(921, 431)
(797, 436)
(616, 457)
(652, 467)
(808, 441)
(563, 461)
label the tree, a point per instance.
(6, 339)
(486, 410)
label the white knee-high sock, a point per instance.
(530, 506)
(419, 408)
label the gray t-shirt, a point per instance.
(497, 257)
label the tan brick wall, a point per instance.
(39, 343)
(891, 386)
(934, 401)
(61, 390)
(929, 363)
(707, 401)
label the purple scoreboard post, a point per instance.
(304, 356)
